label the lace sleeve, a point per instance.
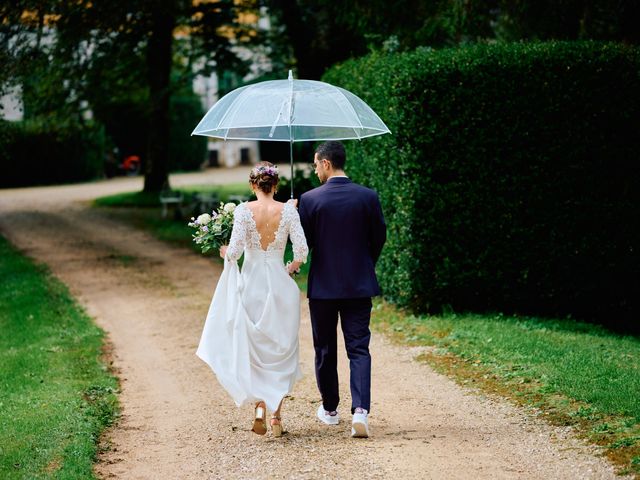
(296, 233)
(238, 234)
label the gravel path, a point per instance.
(178, 423)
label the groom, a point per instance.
(345, 231)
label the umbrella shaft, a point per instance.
(291, 162)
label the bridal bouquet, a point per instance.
(213, 231)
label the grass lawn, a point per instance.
(575, 373)
(144, 199)
(143, 211)
(56, 396)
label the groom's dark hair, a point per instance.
(334, 152)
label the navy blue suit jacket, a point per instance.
(345, 231)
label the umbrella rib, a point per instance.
(275, 123)
(300, 139)
(269, 125)
(291, 140)
(225, 114)
(240, 103)
(290, 103)
(353, 110)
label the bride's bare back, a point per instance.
(267, 216)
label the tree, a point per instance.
(324, 32)
(569, 20)
(162, 21)
(317, 34)
(135, 39)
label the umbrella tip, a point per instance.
(290, 74)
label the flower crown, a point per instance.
(270, 170)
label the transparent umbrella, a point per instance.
(290, 111)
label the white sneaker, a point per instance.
(360, 424)
(324, 416)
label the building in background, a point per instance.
(221, 153)
(11, 107)
(231, 153)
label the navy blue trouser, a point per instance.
(355, 314)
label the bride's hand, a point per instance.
(293, 267)
(223, 251)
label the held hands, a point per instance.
(293, 268)
(223, 251)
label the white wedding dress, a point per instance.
(250, 337)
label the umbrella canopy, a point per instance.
(290, 111)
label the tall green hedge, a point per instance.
(33, 152)
(511, 180)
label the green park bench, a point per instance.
(204, 202)
(171, 199)
(238, 198)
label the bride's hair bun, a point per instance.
(264, 176)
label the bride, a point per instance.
(250, 337)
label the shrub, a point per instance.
(303, 180)
(186, 152)
(35, 152)
(510, 181)
(125, 121)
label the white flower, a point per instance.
(229, 207)
(204, 219)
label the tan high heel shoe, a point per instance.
(260, 419)
(276, 426)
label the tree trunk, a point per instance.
(159, 69)
(628, 28)
(301, 36)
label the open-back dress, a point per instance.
(250, 337)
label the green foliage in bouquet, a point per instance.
(213, 230)
(511, 179)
